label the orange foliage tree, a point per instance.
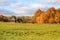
(52, 15)
(57, 17)
(37, 14)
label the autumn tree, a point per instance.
(37, 13)
(1, 17)
(57, 17)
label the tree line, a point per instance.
(25, 19)
(51, 15)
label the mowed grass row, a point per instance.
(29, 35)
(28, 31)
(29, 26)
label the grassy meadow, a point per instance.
(28, 31)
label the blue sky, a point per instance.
(27, 7)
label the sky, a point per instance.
(27, 7)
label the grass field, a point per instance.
(28, 31)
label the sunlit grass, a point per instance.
(28, 31)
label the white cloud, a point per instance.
(19, 8)
(38, 6)
(15, 5)
(2, 2)
(22, 10)
(50, 1)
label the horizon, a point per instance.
(26, 7)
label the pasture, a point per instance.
(28, 31)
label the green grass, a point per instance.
(28, 31)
